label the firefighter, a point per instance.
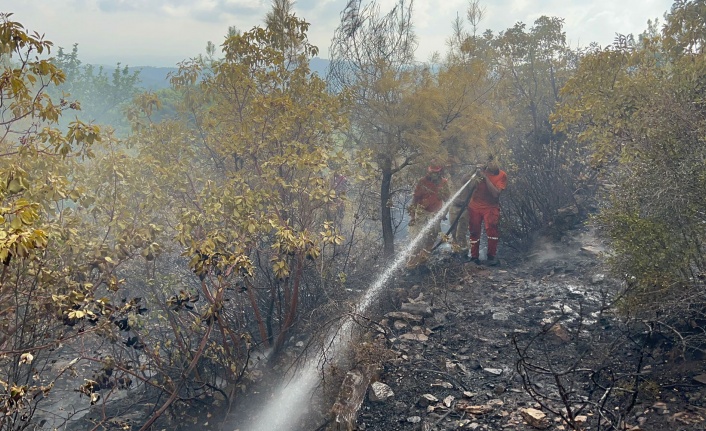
(458, 214)
(484, 208)
(429, 196)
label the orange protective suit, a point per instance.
(429, 197)
(485, 208)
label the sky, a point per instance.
(166, 32)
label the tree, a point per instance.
(466, 82)
(684, 32)
(100, 96)
(371, 61)
(287, 38)
(639, 105)
(215, 220)
(251, 175)
(547, 171)
(58, 267)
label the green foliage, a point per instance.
(685, 32)
(641, 108)
(646, 247)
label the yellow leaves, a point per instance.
(77, 314)
(148, 102)
(39, 237)
(14, 38)
(114, 283)
(151, 251)
(26, 358)
(15, 186)
(82, 133)
(313, 252)
(243, 265)
(16, 238)
(17, 392)
(15, 183)
(280, 268)
(251, 227)
(59, 300)
(330, 236)
(27, 215)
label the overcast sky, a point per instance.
(165, 32)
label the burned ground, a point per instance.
(538, 333)
(472, 347)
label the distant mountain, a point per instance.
(156, 78)
(319, 66)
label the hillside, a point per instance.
(535, 343)
(154, 78)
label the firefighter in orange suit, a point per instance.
(429, 196)
(484, 208)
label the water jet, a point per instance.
(289, 403)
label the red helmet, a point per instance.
(434, 168)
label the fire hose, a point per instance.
(472, 185)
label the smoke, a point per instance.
(545, 252)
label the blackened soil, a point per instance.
(535, 332)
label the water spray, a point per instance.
(284, 410)
(460, 213)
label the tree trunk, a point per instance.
(388, 237)
(292, 304)
(258, 316)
